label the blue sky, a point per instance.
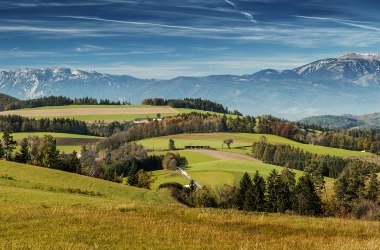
(168, 38)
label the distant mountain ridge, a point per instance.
(346, 84)
(345, 121)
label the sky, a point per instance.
(168, 38)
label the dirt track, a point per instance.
(224, 155)
(89, 111)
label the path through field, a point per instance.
(224, 155)
(89, 111)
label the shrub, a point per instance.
(367, 210)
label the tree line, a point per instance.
(352, 139)
(295, 158)
(58, 101)
(190, 103)
(279, 193)
(38, 151)
(17, 123)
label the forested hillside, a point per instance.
(345, 121)
(5, 100)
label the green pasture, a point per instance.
(242, 143)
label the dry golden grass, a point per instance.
(88, 111)
(37, 211)
(158, 227)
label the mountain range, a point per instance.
(346, 84)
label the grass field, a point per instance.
(96, 112)
(39, 212)
(106, 113)
(242, 143)
(214, 172)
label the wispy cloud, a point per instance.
(143, 23)
(363, 25)
(244, 13)
(89, 48)
(231, 3)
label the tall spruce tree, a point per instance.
(244, 185)
(373, 188)
(23, 155)
(133, 177)
(307, 200)
(273, 191)
(9, 145)
(259, 192)
(288, 179)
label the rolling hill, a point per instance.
(5, 100)
(345, 121)
(346, 84)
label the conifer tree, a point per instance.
(249, 203)
(23, 155)
(373, 188)
(273, 191)
(244, 185)
(259, 192)
(9, 144)
(307, 201)
(1, 150)
(133, 177)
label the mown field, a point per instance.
(89, 113)
(38, 211)
(242, 143)
(106, 113)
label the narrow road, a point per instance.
(189, 177)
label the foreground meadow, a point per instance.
(49, 209)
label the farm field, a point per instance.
(95, 112)
(242, 143)
(106, 113)
(218, 170)
(38, 210)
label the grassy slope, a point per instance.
(124, 218)
(33, 183)
(213, 172)
(240, 140)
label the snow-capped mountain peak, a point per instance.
(365, 56)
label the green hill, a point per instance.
(344, 121)
(5, 100)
